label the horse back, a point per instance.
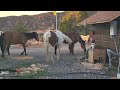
(14, 37)
(73, 36)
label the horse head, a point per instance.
(83, 45)
(35, 35)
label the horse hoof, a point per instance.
(21, 53)
(53, 62)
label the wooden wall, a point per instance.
(102, 36)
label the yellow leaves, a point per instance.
(69, 20)
(71, 14)
(54, 12)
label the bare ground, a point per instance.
(68, 67)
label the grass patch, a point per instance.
(1, 58)
(112, 70)
(21, 65)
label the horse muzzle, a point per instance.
(37, 39)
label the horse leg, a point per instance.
(24, 50)
(3, 51)
(71, 48)
(47, 52)
(58, 53)
(3, 47)
(55, 49)
(51, 54)
(22, 53)
(8, 49)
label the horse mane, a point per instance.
(29, 34)
(81, 40)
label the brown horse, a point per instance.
(75, 37)
(9, 38)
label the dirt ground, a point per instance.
(68, 67)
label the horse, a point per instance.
(75, 37)
(51, 39)
(9, 38)
(90, 39)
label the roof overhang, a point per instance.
(94, 20)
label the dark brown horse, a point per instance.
(9, 38)
(75, 37)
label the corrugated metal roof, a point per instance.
(101, 17)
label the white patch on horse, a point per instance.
(1, 32)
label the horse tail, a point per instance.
(46, 41)
(2, 43)
(1, 39)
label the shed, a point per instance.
(106, 25)
(103, 21)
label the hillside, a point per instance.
(31, 22)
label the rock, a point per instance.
(4, 72)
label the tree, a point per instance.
(19, 27)
(70, 20)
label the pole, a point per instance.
(118, 74)
(117, 50)
(56, 21)
(119, 65)
(116, 45)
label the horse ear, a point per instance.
(34, 33)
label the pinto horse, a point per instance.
(75, 37)
(9, 38)
(90, 39)
(54, 38)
